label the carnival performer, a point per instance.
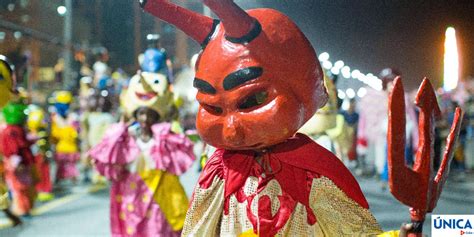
(351, 117)
(64, 131)
(143, 159)
(100, 68)
(373, 116)
(19, 163)
(259, 81)
(6, 90)
(95, 123)
(155, 58)
(324, 120)
(372, 127)
(39, 135)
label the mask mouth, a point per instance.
(146, 96)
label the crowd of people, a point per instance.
(357, 130)
(138, 134)
(76, 140)
(124, 131)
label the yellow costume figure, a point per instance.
(64, 133)
(38, 130)
(7, 85)
(6, 81)
(324, 119)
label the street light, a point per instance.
(327, 65)
(62, 10)
(340, 94)
(350, 93)
(335, 71)
(361, 92)
(339, 64)
(451, 60)
(323, 57)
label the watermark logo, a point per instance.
(452, 225)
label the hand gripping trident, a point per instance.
(419, 188)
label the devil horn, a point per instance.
(239, 26)
(196, 26)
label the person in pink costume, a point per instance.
(143, 160)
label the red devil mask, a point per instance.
(258, 77)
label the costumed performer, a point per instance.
(38, 133)
(19, 162)
(64, 131)
(324, 119)
(7, 85)
(259, 81)
(143, 160)
(94, 124)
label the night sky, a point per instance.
(368, 35)
(372, 35)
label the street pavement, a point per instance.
(84, 209)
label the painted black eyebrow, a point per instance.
(241, 76)
(203, 86)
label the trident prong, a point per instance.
(417, 188)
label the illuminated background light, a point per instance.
(335, 71)
(451, 60)
(339, 64)
(361, 92)
(323, 57)
(350, 93)
(355, 73)
(340, 94)
(327, 65)
(62, 10)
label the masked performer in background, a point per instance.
(143, 160)
(64, 132)
(38, 133)
(6, 90)
(18, 160)
(259, 81)
(324, 120)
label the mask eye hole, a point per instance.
(212, 109)
(254, 100)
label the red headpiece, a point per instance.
(258, 77)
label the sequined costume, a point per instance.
(259, 80)
(147, 198)
(300, 189)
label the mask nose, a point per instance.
(232, 131)
(145, 84)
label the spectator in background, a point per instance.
(351, 116)
(459, 151)
(371, 138)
